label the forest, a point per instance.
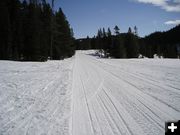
(33, 31)
(129, 45)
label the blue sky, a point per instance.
(87, 16)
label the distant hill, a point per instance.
(128, 45)
(171, 36)
(165, 43)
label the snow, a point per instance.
(87, 95)
(35, 98)
(124, 97)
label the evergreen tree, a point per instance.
(135, 30)
(33, 32)
(100, 33)
(5, 30)
(46, 15)
(109, 42)
(109, 32)
(26, 31)
(88, 43)
(104, 33)
(16, 25)
(105, 46)
(132, 47)
(116, 30)
(118, 50)
(100, 41)
(63, 41)
(129, 30)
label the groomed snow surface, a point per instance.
(86, 95)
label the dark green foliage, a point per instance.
(129, 45)
(117, 46)
(135, 30)
(32, 31)
(46, 15)
(63, 46)
(129, 30)
(118, 49)
(26, 31)
(5, 30)
(84, 44)
(32, 48)
(161, 43)
(116, 30)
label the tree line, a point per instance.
(32, 31)
(130, 45)
(166, 44)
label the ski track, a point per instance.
(86, 95)
(124, 97)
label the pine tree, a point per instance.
(25, 31)
(16, 28)
(135, 30)
(109, 32)
(100, 41)
(132, 47)
(24, 36)
(63, 41)
(118, 50)
(105, 46)
(33, 32)
(100, 33)
(129, 30)
(5, 31)
(46, 15)
(116, 30)
(104, 33)
(109, 42)
(88, 43)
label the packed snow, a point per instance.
(35, 98)
(87, 95)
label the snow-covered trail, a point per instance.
(35, 98)
(124, 97)
(85, 95)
